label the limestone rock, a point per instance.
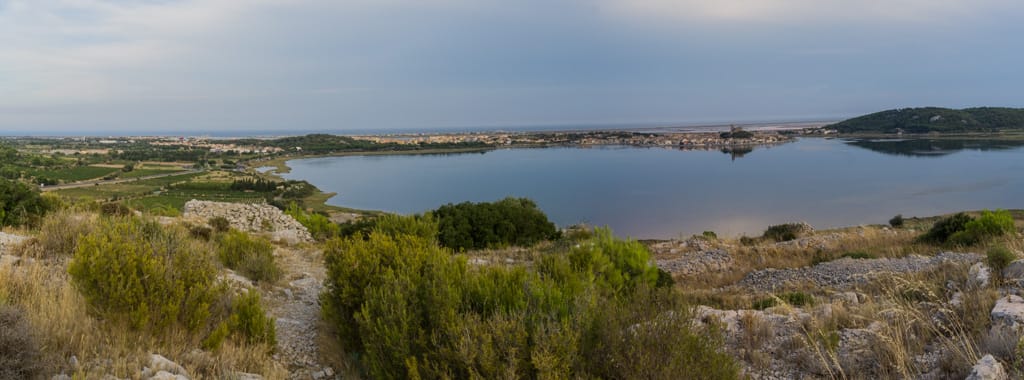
(251, 218)
(988, 368)
(855, 347)
(979, 275)
(164, 375)
(1014, 271)
(163, 369)
(1008, 313)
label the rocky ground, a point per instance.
(848, 331)
(842, 273)
(295, 304)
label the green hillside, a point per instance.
(934, 119)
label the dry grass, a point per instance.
(64, 327)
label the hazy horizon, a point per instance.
(274, 66)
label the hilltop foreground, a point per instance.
(492, 290)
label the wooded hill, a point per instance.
(934, 119)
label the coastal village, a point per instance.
(711, 139)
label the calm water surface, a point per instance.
(664, 193)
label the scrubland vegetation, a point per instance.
(413, 309)
(110, 290)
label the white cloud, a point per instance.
(813, 11)
(63, 51)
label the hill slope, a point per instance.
(934, 119)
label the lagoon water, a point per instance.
(665, 193)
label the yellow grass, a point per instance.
(64, 328)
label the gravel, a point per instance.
(846, 271)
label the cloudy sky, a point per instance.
(296, 65)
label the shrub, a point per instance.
(651, 337)
(60, 232)
(219, 224)
(200, 232)
(617, 264)
(252, 256)
(318, 225)
(115, 209)
(19, 353)
(148, 274)
(998, 258)
(946, 227)
(408, 308)
(784, 232)
(664, 279)
(165, 210)
(748, 241)
(250, 321)
(20, 204)
(896, 221)
(798, 299)
(764, 303)
(990, 224)
(510, 221)
(710, 235)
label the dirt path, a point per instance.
(294, 302)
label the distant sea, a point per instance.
(239, 133)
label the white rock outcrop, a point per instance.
(988, 368)
(250, 218)
(1008, 313)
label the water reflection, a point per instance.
(932, 147)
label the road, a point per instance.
(114, 181)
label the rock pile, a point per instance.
(251, 218)
(847, 271)
(697, 263)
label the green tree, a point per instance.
(20, 203)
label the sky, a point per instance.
(190, 66)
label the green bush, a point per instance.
(115, 209)
(998, 258)
(896, 221)
(784, 232)
(250, 321)
(510, 221)
(764, 303)
(219, 224)
(19, 352)
(318, 225)
(942, 230)
(409, 308)
(200, 232)
(148, 274)
(798, 299)
(20, 204)
(989, 225)
(651, 337)
(710, 235)
(252, 256)
(617, 264)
